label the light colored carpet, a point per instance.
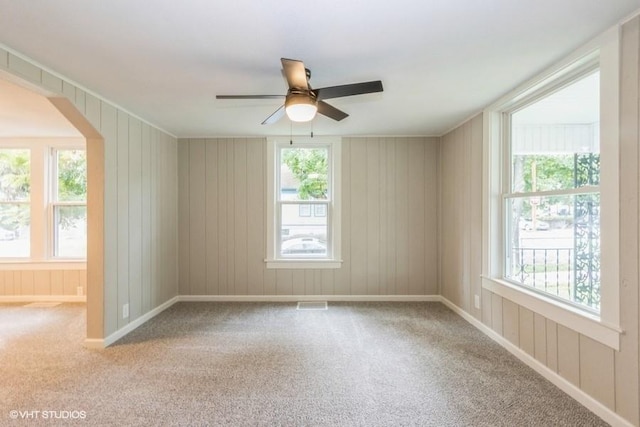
(355, 364)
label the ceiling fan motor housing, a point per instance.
(301, 105)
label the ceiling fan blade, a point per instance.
(275, 116)
(331, 111)
(295, 73)
(348, 90)
(249, 96)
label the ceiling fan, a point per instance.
(302, 102)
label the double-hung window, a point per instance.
(303, 203)
(15, 202)
(552, 199)
(552, 196)
(68, 203)
(43, 200)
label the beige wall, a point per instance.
(137, 172)
(611, 377)
(18, 284)
(389, 221)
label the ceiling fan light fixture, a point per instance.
(300, 107)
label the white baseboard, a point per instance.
(296, 298)
(102, 343)
(586, 400)
(43, 298)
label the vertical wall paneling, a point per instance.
(358, 211)
(222, 206)
(24, 69)
(126, 203)
(431, 174)
(109, 131)
(197, 218)
(221, 217)
(297, 282)
(184, 215)
(231, 217)
(284, 282)
(123, 215)
(416, 216)
(552, 345)
(135, 219)
(57, 284)
(569, 354)
(511, 322)
(26, 283)
(241, 238)
(42, 282)
(402, 216)
(342, 284)
(71, 281)
(211, 211)
(373, 215)
(526, 331)
(256, 149)
(92, 111)
(391, 257)
(596, 371)
(475, 213)
(155, 200)
(3, 290)
(540, 338)
(487, 308)
(145, 151)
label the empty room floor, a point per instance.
(355, 364)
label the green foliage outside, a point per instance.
(15, 167)
(552, 172)
(15, 184)
(310, 167)
(72, 176)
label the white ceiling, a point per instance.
(440, 61)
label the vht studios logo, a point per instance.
(48, 415)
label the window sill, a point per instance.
(43, 265)
(582, 322)
(304, 263)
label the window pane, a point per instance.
(15, 230)
(15, 176)
(72, 175)
(302, 236)
(555, 246)
(304, 174)
(555, 142)
(70, 239)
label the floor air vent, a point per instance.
(312, 305)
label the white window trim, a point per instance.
(604, 328)
(39, 200)
(53, 203)
(335, 168)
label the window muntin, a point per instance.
(15, 197)
(304, 182)
(552, 203)
(303, 203)
(68, 205)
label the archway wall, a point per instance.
(133, 201)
